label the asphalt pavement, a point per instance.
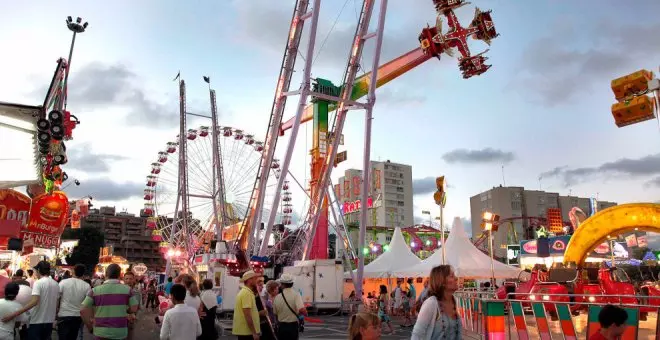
(329, 328)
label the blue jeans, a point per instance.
(40, 331)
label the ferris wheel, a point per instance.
(241, 155)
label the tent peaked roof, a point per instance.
(464, 257)
(398, 257)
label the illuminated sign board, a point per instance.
(351, 207)
(513, 255)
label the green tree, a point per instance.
(90, 241)
(332, 245)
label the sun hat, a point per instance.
(249, 274)
(286, 278)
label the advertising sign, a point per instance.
(14, 206)
(513, 254)
(139, 269)
(351, 207)
(48, 216)
(528, 247)
(557, 247)
(42, 219)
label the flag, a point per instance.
(207, 79)
(178, 75)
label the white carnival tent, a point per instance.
(397, 258)
(464, 257)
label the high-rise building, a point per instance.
(516, 202)
(390, 191)
(128, 235)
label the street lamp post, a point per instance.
(489, 223)
(76, 27)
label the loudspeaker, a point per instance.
(15, 244)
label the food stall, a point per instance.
(106, 260)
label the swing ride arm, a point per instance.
(386, 73)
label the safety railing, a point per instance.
(548, 316)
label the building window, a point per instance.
(516, 205)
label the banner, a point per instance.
(631, 240)
(557, 246)
(48, 217)
(14, 206)
(14, 214)
(42, 219)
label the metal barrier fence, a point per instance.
(486, 317)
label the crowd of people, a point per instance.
(33, 303)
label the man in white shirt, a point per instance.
(72, 293)
(9, 305)
(289, 308)
(44, 301)
(181, 322)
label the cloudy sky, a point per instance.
(543, 110)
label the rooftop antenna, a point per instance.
(503, 180)
(540, 178)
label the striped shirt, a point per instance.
(110, 302)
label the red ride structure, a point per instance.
(434, 42)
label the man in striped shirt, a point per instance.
(105, 311)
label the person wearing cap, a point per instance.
(288, 307)
(9, 305)
(44, 301)
(246, 317)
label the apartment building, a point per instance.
(390, 191)
(128, 236)
(512, 202)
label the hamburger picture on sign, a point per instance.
(48, 216)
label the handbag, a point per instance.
(301, 321)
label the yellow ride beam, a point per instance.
(610, 223)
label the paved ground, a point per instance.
(146, 328)
(335, 327)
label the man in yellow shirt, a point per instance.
(246, 317)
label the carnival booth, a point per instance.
(466, 259)
(106, 260)
(387, 268)
(219, 267)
